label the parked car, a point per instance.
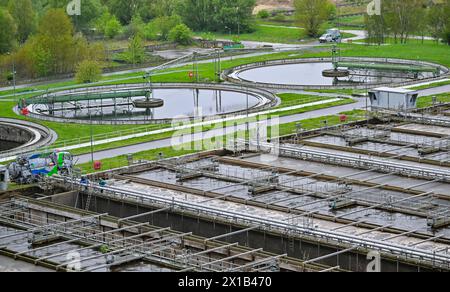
(331, 36)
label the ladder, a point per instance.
(88, 201)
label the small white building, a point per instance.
(398, 99)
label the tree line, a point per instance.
(401, 19)
(42, 40)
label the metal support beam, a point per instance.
(225, 259)
(78, 239)
(98, 245)
(143, 214)
(330, 255)
(84, 219)
(208, 250)
(348, 225)
(256, 263)
(400, 235)
(232, 233)
(382, 204)
(330, 269)
(426, 240)
(374, 230)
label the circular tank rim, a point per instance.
(231, 75)
(267, 100)
(41, 136)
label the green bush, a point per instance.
(112, 28)
(208, 36)
(164, 24)
(447, 37)
(181, 34)
(88, 72)
(263, 14)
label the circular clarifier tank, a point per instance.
(291, 74)
(320, 73)
(126, 104)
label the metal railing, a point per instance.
(437, 259)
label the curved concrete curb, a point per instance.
(267, 100)
(39, 136)
(230, 75)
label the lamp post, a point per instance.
(238, 22)
(92, 137)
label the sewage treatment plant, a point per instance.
(315, 164)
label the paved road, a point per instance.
(435, 90)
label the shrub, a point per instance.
(88, 72)
(263, 14)
(181, 34)
(112, 28)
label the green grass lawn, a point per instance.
(430, 51)
(291, 99)
(149, 155)
(352, 20)
(265, 33)
(433, 85)
(427, 101)
(315, 123)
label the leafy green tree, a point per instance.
(124, 10)
(88, 72)
(90, 11)
(165, 7)
(376, 29)
(218, 15)
(401, 17)
(136, 52)
(34, 58)
(446, 34)
(436, 19)
(23, 12)
(7, 31)
(164, 24)
(311, 14)
(136, 27)
(181, 34)
(112, 27)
